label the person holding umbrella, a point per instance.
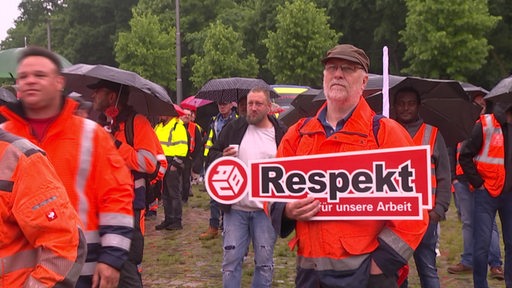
(486, 159)
(407, 105)
(137, 143)
(84, 156)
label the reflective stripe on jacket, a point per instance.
(173, 137)
(142, 158)
(42, 244)
(426, 135)
(490, 160)
(338, 247)
(97, 181)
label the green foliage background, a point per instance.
(276, 40)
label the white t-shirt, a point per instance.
(257, 143)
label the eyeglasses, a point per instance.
(345, 68)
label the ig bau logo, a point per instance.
(226, 180)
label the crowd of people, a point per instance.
(75, 194)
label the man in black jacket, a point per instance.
(486, 159)
(257, 136)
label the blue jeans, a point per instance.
(486, 207)
(466, 203)
(240, 227)
(425, 257)
(214, 214)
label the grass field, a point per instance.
(180, 259)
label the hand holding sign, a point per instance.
(302, 210)
(374, 184)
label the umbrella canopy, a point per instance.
(145, 96)
(192, 103)
(205, 109)
(292, 115)
(502, 92)
(375, 81)
(444, 104)
(473, 90)
(9, 62)
(6, 96)
(231, 89)
(306, 104)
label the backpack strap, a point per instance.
(376, 126)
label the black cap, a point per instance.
(114, 86)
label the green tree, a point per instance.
(446, 39)
(31, 26)
(92, 27)
(148, 49)
(298, 44)
(499, 63)
(223, 56)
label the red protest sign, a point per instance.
(227, 180)
(374, 184)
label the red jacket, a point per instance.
(95, 176)
(42, 244)
(330, 247)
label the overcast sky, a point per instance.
(9, 13)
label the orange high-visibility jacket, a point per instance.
(333, 246)
(426, 135)
(490, 161)
(97, 181)
(143, 157)
(42, 244)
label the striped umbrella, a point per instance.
(231, 89)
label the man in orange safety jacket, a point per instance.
(95, 176)
(138, 145)
(344, 253)
(42, 243)
(486, 159)
(406, 104)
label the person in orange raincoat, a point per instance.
(138, 145)
(42, 243)
(344, 253)
(97, 181)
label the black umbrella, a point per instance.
(305, 102)
(292, 115)
(502, 92)
(444, 104)
(145, 96)
(473, 90)
(231, 89)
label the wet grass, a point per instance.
(180, 259)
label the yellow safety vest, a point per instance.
(173, 137)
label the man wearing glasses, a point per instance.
(344, 253)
